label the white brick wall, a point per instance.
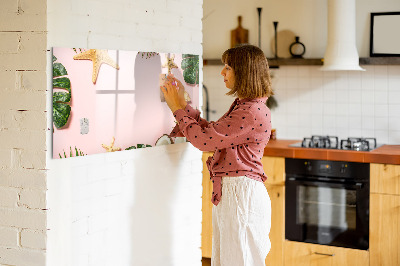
(9, 237)
(23, 84)
(34, 239)
(140, 207)
(150, 202)
(93, 213)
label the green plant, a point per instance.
(80, 50)
(78, 152)
(61, 108)
(190, 66)
(139, 146)
(130, 148)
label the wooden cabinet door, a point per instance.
(384, 236)
(206, 232)
(277, 233)
(274, 168)
(305, 254)
(385, 178)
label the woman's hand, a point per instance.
(171, 95)
(181, 90)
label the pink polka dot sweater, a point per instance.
(238, 139)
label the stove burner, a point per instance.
(358, 144)
(328, 142)
(332, 142)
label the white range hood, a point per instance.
(341, 51)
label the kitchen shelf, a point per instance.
(273, 63)
(295, 62)
(380, 61)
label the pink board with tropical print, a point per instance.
(110, 100)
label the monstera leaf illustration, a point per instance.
(190, 66)
(61, 108)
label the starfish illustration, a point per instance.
(170, 64)
(111, 147)
(98, 57)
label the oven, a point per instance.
(327, 202)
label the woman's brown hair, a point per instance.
(250, 66)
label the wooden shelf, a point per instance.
(294, 62)
(273, 63)
(380, 61)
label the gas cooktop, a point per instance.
(332, 142)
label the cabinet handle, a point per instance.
(325, 254)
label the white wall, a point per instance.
(140, 207)
(23, 132)
(313, 102)
(343, 103)
(305, 18)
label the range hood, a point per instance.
(341, 51)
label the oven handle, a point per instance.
(357, 185)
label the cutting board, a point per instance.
(239, 35)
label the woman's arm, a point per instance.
(195, 114)
(237, 128)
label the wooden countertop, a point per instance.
(389, 154)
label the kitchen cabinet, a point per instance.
(206, 232)
(385, 215)
(385, 178)
(274, 168)
(305, 254)
(384, 221)
(277, 233)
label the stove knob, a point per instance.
(308, 166)
(343, 168)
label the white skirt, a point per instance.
(241, 223)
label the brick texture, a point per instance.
(33, 239)
(18, 256)
(28, 30)
(23, 218)
(9, 237)
(33, 198)
(8, 197)
(23, 124)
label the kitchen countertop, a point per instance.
(389, 154)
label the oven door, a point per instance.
(327, 213)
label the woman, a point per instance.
(242, 208)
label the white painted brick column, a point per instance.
(140, 207)
(89, 215)
(23, 41)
